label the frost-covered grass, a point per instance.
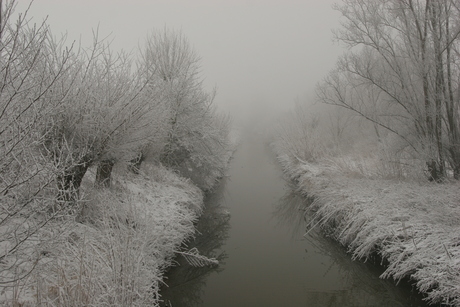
(116, 251)
(413, 226)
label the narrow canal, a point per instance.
(265, 260)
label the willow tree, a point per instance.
(172, 64)
(402, 74)
(76, 132)
(194, 140)
(102, 120)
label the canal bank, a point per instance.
(265, 259)
(412, 226)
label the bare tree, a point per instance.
(192, 133)
(29, 71)
(170, 60)
(406, 62)
(102, 120)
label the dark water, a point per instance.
(264, 258)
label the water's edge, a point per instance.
(264, 258)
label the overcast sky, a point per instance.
(260, 54)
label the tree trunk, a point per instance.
(104, 173)
(69, 182)
(439, 86)
(433, 171)
(454, 151)
(135, 164)
(451, 108)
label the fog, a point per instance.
(261, 55)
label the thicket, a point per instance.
(70, 115)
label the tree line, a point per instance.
(65, 108)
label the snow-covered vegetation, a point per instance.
(117, 251)
(412, 226)
(104, 160)
(377, 148)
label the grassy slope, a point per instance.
(414, 226)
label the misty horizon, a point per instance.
(261, 56)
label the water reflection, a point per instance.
(291, 211)
(184, 283)
(264, 267)
(360, 282)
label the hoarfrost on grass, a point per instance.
(412, 225)
(118, 254)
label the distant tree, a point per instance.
(171, 62)
(172, 65)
